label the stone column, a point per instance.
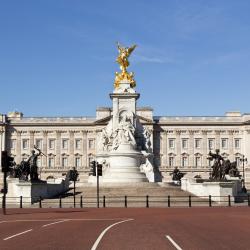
(217, 139)
(178, 149)
(84, 149)
(191, 149)
(204, 150)
(231, 145)
(18, 147)
(45, 147)
(58, 149)
(71, 149)
(32, 141)
(2, 143)
(164, 149)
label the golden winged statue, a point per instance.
(122, 59)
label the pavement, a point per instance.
(126, 228)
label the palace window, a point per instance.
(91, 158)
(39, 162)
(224, 143)
(91, 144)
(77, 161)
(77, 143)
(237, 143)
(13, 144)
(171, 143)
(184, 143)
(64, 162)
(39, 143)
(51, 143)
(210, 163)
(25, 143)
(65, 143)
(197, 143)
(184, 161)
(237, 159)
(197, 161)
(171, 161)
(210, 144)
(51, 162)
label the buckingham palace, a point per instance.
(165, 142)
(177, 141)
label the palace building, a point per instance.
(180, 141)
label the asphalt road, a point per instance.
(121, 228)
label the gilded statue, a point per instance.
(122, 60)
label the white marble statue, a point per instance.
(124, 133)
(104, 140)
(147, 136)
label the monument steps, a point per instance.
(116, 194)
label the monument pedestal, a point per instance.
(124, 165)
(33, 191)
(219, 191)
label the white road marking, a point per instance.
(59, 219)
(2, 221)
(173, 242)
(52, 223)
(104, 231)
(12, 236)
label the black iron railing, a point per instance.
(127, 201)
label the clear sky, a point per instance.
(57, 57)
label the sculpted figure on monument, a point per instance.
(104, 140)
(128, 130)
(33, 164)
(122, 59)
(124, 133)
(147, 135)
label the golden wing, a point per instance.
(130, 50)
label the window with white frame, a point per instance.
(210, 144)
(184, 143)
(65, 143)
(91, 143)
(51, 162)
(91, 158)
(171, 161)
(38, 143)
(64, 161)
(237, 143)
(171, 143)
(78, 143)
(52, 143)
(13, 144)
(78, 161)
(184, 161)
(197, 161)
(237, 159)
(210, 163)
(39, 162)
(197, 143)
(224, 143)
(25, 143)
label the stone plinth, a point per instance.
(32, 191)
(219, 191)
(247, 177)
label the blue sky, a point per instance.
(57, 57)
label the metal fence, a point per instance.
(127, 201)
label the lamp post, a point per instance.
(243, 160)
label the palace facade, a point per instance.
(182, 142)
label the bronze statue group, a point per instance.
(220, 169)
(27, 168)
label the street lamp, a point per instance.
(243, 160)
